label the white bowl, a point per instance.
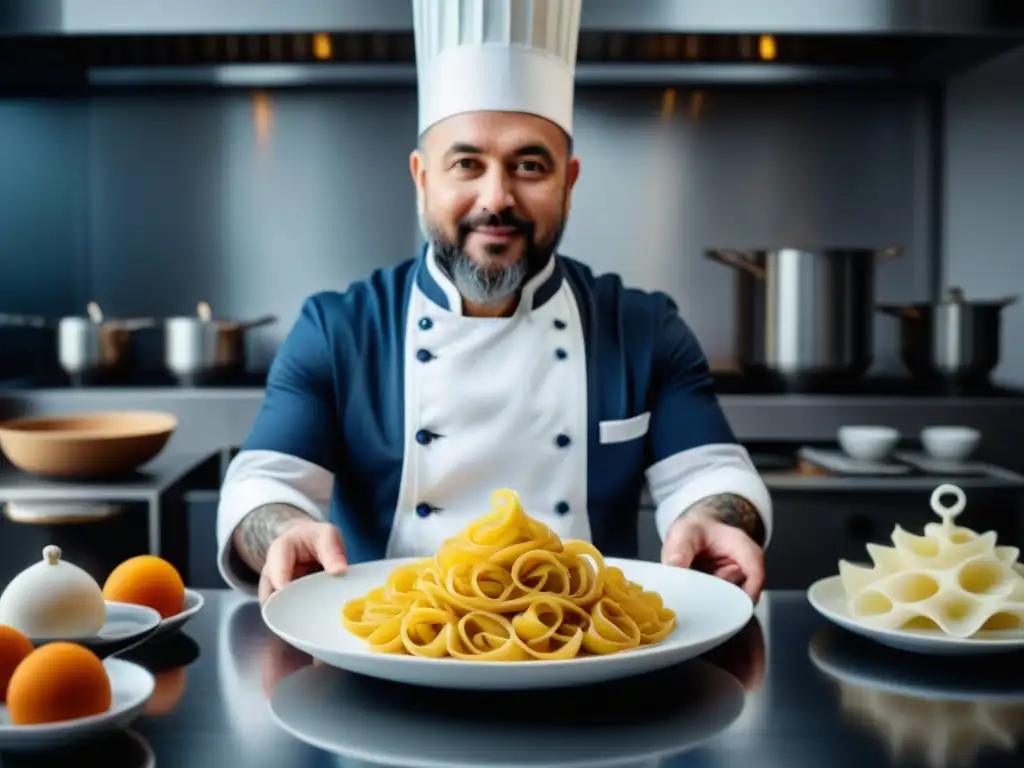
(950, 443)
(868, 443)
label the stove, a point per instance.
(869, 386)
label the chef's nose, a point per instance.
(496, 191)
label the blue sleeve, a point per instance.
(299, 413)
(685, 412)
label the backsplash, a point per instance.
(149, 204)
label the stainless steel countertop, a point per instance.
(807, 694)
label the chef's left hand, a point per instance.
(697, 540)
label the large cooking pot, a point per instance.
(87, 345)
(200, 347)
(805, 312)
(952, 340)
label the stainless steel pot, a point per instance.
(954, 339)
(90, 344)
(201, 347)
(805, 312)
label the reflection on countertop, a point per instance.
(767, 698)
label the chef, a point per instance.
(490, 360)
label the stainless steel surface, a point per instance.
(906, 17)
(390, 74)
(953, 339)
(814, 696)
(202, 346)
(805, 312)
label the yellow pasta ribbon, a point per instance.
(506, 588)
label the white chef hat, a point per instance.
(504, 55)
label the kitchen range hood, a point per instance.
(309, 42)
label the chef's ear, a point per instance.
(572, 173)
(418, 171)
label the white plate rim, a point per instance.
(191, 595)
(817, 595)
(97, 640)
(399, 660)
(137, 701)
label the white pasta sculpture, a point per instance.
(952, 579)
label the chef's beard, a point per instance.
(491, 284)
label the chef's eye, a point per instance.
(532, 166)
(466, 164)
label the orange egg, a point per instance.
(147, 580)
(14, 647)
(58, 682)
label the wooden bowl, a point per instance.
(86, 445)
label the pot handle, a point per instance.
(1008, 301)
(898, 311)
(258, 322)
(890, 252)
(735, 259)
(24, 321)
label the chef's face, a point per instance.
(494, 190)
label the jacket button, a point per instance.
(425, 437)
(426, 323)
(424, 509)
(561, 354)
(560, 325)
(562, 507)
(563, 441)
(424, 356)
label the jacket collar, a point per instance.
(437, 286)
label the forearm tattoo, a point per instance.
(260, 527)
(736, 511)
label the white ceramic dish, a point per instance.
(828, 598)
(193, 604)
(131, 685)
(952, 444)
(358, 719)
(127, 625)
(307, 614)
(868, 443)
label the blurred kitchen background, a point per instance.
(247, 154)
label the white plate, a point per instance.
(131, 686)
(630, 723)
(307, 614)
(127, 625)
(854, 661)
(193, 604)
(828, 598)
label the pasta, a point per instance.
(952, 579)
(507, 588)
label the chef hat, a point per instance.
(505, 55)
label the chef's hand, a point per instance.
(302, 549)
(698, 540)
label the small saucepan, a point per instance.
(954, 339)
(90, 344)
(202, 347)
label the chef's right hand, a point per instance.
(302, 549)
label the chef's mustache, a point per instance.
(506, 218)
